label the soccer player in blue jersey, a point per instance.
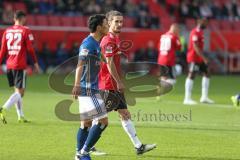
(91, 106)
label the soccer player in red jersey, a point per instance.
(16, 43)
(110, 79)
(197, 61)
(169, 44)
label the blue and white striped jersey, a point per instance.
(90, 52)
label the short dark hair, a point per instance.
(113, 13)
(95, 21)
(19, 14)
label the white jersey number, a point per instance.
(13, 42)
(165, 45)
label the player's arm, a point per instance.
(76, 89)
(3, 48)
(199, 52)
(31, 51)
(178, 44)
(113, 71)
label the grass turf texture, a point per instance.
(212, 133)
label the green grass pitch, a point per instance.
(211, 132)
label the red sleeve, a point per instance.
(109, 49)
(178, 43)
(29, 42)
(3, 48)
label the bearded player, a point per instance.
(16, 43)
(110, 80)
(197, 61)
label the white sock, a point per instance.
(205, 86)
(19, 108)
(188, 88)
(14, 98)
(130, 130)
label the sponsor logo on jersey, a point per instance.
(84, 52)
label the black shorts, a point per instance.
(16, 78)
(114, 100)
(171, 72)
(198, 67)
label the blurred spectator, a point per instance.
(139, 55)
(62, 52)
(184, 9)
(119, 5)
(205, 10)
(60, 7)
(71, 8)
(108, 6)
(216, 10)
(93, 7)
(143, 20)
(142, 6)
(46, 7)
(151, 52)
(74, 51)
(7, 15)
(194, 9)
(130, 8)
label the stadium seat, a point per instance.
(165, 23)
(67, 21)
(236, 25)
(54, 21)
(41, 20)
(20, 6)
(31, 21)
(78, 21)
(128, 22)
(226, 25)
(190, 23)
(214, 24)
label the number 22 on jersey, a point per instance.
(13, 42)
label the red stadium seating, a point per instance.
(79, 21)
(67, 21)
(190, 23)
(214, 24)
(20, 6)
(128, 22)
(41, 20)
(236, 26)
(31, 21)
(226, 25)
(54, 21)
(165, 23)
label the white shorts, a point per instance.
(91, 107)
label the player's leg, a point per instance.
(88, 135)
(189, 85)
(205, 84)
(94, 134)
(13, 99)
(129, 128)
(20, 85)
(167, 80)
(236, 100)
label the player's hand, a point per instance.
(76, 91)
(120, 86)
(205, 60)
(37, 68)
